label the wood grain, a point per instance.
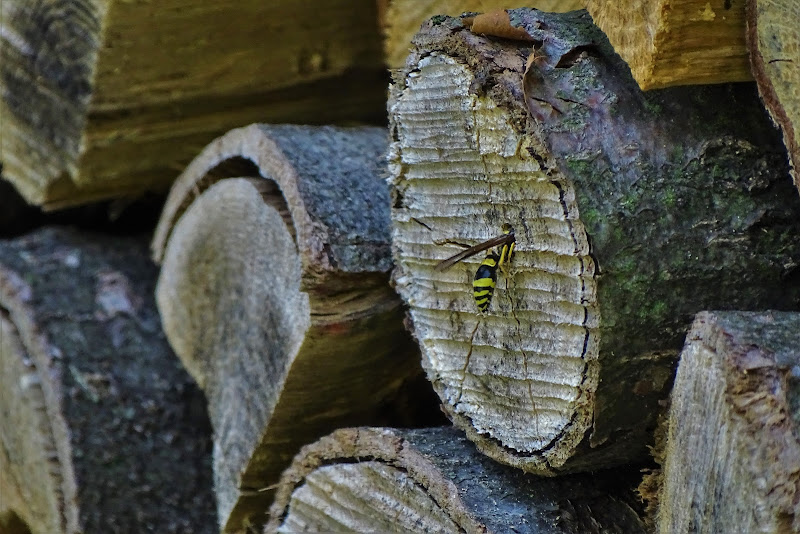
(274, 292)
(626, 207)
(109, 98)
(733, 454)
(773, 39)
(434, 480)
(668, 43)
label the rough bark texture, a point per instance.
(296, 314)
(401, 19)
(632, 212)
(434, 480)
(683, 42)
(109, 97)
(773, 39)
(101, 430)
(733, 449)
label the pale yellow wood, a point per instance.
(403, 18)
(677, 42)
(106, 98)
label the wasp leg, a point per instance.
(466, 364)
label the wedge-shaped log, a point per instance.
(733, 452)
(434, 480)
(632, 212)
(668, 43)
(101, 429)
(274, 291)
(109, 97)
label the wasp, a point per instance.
(486, 276)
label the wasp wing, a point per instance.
(504, 239)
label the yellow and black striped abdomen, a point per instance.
(485, 281)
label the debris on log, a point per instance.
(274, 291)
(101, 429)
(434, 480)
(733, 446)
(670, 43)
(108, 98)
(401, 19)
(774, 45)
(632, 211)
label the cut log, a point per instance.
(668, 43)
(633, 211)
(101, 430)
(106, 98)
(286, 229)
(434, 480)
(733, 451)
(401, 19)
(773, 39)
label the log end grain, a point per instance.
(733, 447)
(434, 480)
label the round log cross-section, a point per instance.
(631, 212)
(434, 480)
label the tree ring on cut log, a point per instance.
(544, 309)
(680, 193)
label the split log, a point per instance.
(109, 98)
(633, 211)
(286, 229)
(669, 43)
(434, 480)
(101, 430)
(733, 452)
(774, 47)
(401, 19)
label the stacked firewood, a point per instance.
(560, 293)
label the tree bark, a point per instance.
(434, 480)
(632, 212)
(669, 43)
(733, 452)
(274, 288)
(774, 49)
(99, 101)
(101, 430)
(401, 19)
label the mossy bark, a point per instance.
(632, 212)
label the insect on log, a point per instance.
(631, 212)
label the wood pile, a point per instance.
(103, 99)
(544, 299)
